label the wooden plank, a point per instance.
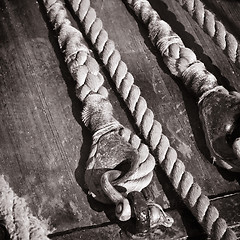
(35, 110)
(228, 207)
(112, 231)
(100, 232)
(44, 145)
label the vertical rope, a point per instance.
(199, 204)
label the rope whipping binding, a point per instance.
(18, 219)
(182, 181)
(214, 28)
(108, 133)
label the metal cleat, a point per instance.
(220, 116)
(147, 214)
(139, 212)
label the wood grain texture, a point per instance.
(113, 232)
(44, 144)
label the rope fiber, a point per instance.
(18, 219)
(214, 28)
(112, 143)
(179, 59)
(98, 116)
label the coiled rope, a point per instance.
(85, 71)
(214, 28)
(191, 193)
(18, 219)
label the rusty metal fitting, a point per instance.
(122, 209)
(158, 217)
(220, 116)
(139, 212)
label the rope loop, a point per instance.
(116, 166)
(165, 155)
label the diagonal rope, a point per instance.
(85, 71)
(214, 28)
(191, 193)
(182, 62)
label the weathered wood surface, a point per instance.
(44, 144)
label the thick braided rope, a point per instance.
(19, 221)
(214, 28)
(206, 214)
(85, 71)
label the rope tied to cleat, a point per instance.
(181, 61)
(119, 164)
(182, 181)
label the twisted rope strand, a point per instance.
(206, 214)
(180, 60)
(85, 71)
(214, 28)
(20, 222)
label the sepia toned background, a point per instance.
(44, 144)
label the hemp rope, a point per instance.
(18, 219)
(182, 62)
(85, 71)
(214, 28)
(191, 193)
